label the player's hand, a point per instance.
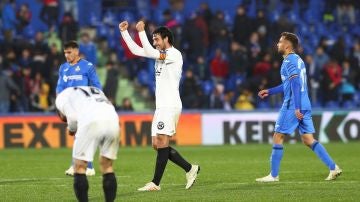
(123, 25)
(140, 26)
(263, 93)
(298, 114)
(72, 133)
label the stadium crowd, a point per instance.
(227, 58)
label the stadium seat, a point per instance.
(332, 104)
(349, 104)
(207, 87)
(143, 77)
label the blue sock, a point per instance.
(276, 156)
(90, 165)
(321, 152)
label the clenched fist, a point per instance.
(140, 26)
(123, 25)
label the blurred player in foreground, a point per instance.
(168, 69)
(76, 72)
(95, 123)
(295, 111)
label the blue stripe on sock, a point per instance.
(314, 145)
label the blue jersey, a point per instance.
(82, 73)
(294, 65)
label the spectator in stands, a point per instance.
(68, 28)
(219, 34)
(174, 25)
(355, 63)
(111, 82)
(238, 60)
(50, 12)
(338, 50)
(7, 88)
(189, 90)
(274, 79)
(347, 87)
(23, 16)
(242, 26)
(205, 12)
(71, 6)
(331, 81)
(263, 66)
(345, 12)
(53, 39)
(40, 44)
(320, 59)
(195, 38)
(217, 97)
(41, 101)
(254, 50)
(219, 67)
(126, 105)
(88, 48)
(9, 19)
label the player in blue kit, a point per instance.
(76, 72)
(295, 111)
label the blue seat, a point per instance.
(207, 87)
(349, 104)
(332, 104)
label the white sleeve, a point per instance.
(134, 48)
(149, 50)
(71, 117)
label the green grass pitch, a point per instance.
(227, 174)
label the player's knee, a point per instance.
(80, 166)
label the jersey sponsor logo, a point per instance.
(72, 77)
(77, 68)
(160, 125)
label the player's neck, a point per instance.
(288, 53)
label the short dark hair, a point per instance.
(294, 40)
(71, 44)
(165, 32)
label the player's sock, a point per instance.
(109, 186)
(276, 156)
(90, 165)
(81, 187)
(175, 157)
(321, 152)
(161, 161)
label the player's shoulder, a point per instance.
(84, 62)
(173, 51)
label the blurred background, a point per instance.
(228, 49)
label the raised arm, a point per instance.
(148, 48)
(134, 48)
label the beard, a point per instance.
(281, 51)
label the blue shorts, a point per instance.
(287, 122)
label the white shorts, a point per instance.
(102, 134)
(165, 121)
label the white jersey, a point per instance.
(83, 104)
(167, 75)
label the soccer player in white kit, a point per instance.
(168, 69)
(95, 123)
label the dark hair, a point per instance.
(165, 32)
(71, 44)
(294, 40)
